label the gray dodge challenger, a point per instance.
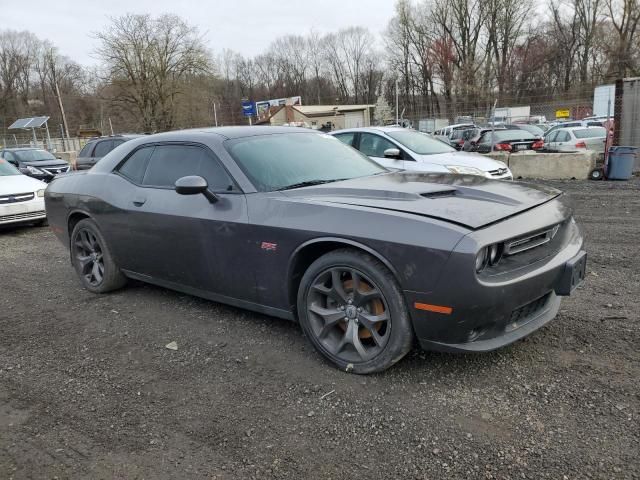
(295, 224)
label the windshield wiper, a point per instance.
(309, 183)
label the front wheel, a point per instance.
(92, 260)
(353, 311)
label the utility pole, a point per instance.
(64, 117)
(215, 113)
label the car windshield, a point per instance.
(505, 135)
(7, 169)
(420, 143)
(280, 161)
(33, 155)
(590, 132)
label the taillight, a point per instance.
(581, 145)
(505, 147)
(537, 145)
(461, 141)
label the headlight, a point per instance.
(40, 192)
(34, 170)
(489, 255)
(481, 259)
(464, 170)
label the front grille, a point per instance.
(498, 172)
(16, 198)
(528, 310)
(530, 241)
(55, 170)
(21, 216)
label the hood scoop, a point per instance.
(440, 194)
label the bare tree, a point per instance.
(625, 18)
(148, 60)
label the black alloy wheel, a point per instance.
(352, 309)
(88, 255)
(92, 260)
(349, 314)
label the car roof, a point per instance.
(589, 127)
(373, 130)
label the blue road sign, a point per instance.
(248, 109)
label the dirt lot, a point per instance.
(88, 389)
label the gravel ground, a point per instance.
(88, 389)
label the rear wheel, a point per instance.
(92, 260)
(353, 311)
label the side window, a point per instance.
(117, 143)
(171, 162)
(86, 150)
(134, 167)
(563, 137)
(9, 157)
(374, 145)
(346, 138)
(552, 136)
(103, 148)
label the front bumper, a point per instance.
(489, 312)
(23, 212)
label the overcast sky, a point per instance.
(246, 26)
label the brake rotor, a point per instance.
(376, 307)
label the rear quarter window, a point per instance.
(86, 150)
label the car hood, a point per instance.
(11, 184)
(467, 200)
(465, 159)
(45, 163)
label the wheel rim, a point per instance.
(348, 314)
(88, 254)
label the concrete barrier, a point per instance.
(549, 166)
(69, 157)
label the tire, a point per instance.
(352, 309)
(596, 174)
(92, 259)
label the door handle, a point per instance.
(139, 201)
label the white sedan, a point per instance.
(404, 149)
(21, 197)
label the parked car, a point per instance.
(472, 137)
(449, 129)
(21, 197)
(96, 148)
(403, 149)
(297, 225)
(576, 138)
(508, 141)
(35, 162)
(457, 138)
(533, 129)
(575, 123)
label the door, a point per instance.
(354, 119)
(185, 239)
(373, 146)
(550, 141)
(563, 142)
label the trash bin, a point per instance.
(621, 161)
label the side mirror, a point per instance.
(392, 153)
(193, 185)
